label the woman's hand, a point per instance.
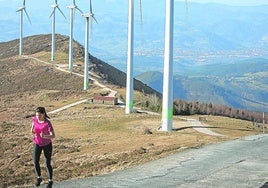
(42, 135)
(47, 136)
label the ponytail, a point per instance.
(42, 110)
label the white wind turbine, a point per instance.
(89, 18)
(72, 8)
(167, 106)
(129, 84)
(53, 15)
(21, 9)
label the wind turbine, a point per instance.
(21, 9)
(129, 84)
(53, 15)
(72, 8)
(167, 106)
(89, 18)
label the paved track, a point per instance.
(241, 163)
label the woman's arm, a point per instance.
(32, 129)
(48, 136)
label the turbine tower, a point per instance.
(72, 8)
(89, 18)
(167, 107)
(53, 15)
(129, 84)
(21, 9)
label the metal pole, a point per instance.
(21, 33)
(86, 84)
(71, 39)
(129, 84)
(53, 37)
(167, 107)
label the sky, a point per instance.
(229, 2)
(232, 2)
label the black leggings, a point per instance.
(36, 157)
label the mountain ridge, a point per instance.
(242, 84)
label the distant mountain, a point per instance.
(243, 84)
(203, 33)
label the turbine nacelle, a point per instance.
(21, 8)
(86, 15)
(54, 6)
(72, 6)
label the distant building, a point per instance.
(105, 100)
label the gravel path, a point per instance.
(198, 126)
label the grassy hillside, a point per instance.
(42, 43)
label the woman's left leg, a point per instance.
(48, 155)
(37, 150)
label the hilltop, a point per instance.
(91, 139)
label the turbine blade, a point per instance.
(23, 2)
(187, 13)
(53, 12)
(94, 19)
(61, 12)
(74, 14)
(27, 16)
(90, 7)
(91, 13)
(79, 10)
(141, 16)
(141, 24)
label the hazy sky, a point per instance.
(232, 2)
(229, 2)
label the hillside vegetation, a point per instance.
(91, 139)
(242, 84)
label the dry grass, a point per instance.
(94, 139)
(90, 139)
